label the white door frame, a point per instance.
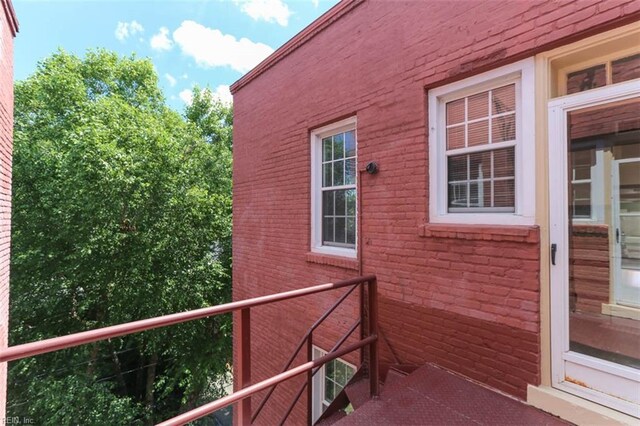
(568, 369)
(619, 292)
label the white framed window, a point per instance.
(329, 382)
(482, 148)
(334, 189)
(587, 187)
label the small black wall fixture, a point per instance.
(372, 168)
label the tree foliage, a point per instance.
(121, 211)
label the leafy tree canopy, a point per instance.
(121, 211)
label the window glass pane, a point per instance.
(340, 203)
(350, 171)
(338, 173)
(327, 230)
(618, 119)
(350, 143)
(625, 69)
(351, 230)
(604, 259)
(329, 391)
(328, 203)
(504, 193)
(341, 231)
(586, 79)
(480, 165)
(326, 149)
(458, 195)
(503, 128)
(338, 146)
(457, 168)
(582, 191)
(582, 158)
(503, 99)
(582, 209)
(326, 174)
(581, 173)
(341, 376)
(478, 106)
(455, 137)
(478, 133)
(476, 194)
(504, 162)
(350, 196)
(329, 368)
(582, 161)
(350, 373)
(455, 111)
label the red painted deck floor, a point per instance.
(431, 396)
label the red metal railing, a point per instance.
(312, 373)
(308, 339)
(243, 308)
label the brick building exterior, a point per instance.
(470, 296)
(8, 30)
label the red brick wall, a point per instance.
(467, 299)
(6, 138)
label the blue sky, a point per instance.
(204, 42)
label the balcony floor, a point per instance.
(431, 396)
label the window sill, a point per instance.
(517, 233)
(340, 262)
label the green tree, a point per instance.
(121, 211)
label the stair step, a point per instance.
(358, 392)
(395, 377)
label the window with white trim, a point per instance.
(481, 148)
(582, 162)
(334, 191)
(329, 382)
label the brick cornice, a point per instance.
(12, 19)
(317, 26)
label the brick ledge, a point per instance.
(325, 259)
(517, 233)
(593, 229)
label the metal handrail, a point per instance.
(250, 390)
(244, 413)
(304, 339)
(57, 343)
(344, 337)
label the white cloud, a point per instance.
(222, 92)
(184, 76)
(125, 30)
(160, 41)
(315, 3)
(211, 48)
(171, 79)
(186, 95)
(266, 10)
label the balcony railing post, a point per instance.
(310, 381)
(363, 321)
(243, 408)
(373, 330)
